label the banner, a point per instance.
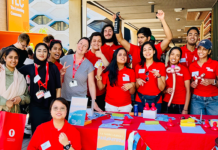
(111, 139)
(77, 111)
(18, 15)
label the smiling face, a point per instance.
(108, 33)
(192, 37)
(148, 51)
(56, 51)
(11, 59)
(82, 47)
(142, 39)
(174, 57)
(96, 42)
(58, 110)
(122, 56)
(41, 53)
(203, 52)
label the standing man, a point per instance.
(189, 51)
(144, 35)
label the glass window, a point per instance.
(60, 26)
(30, 1)
(59, 1)
(41, 19)
(31, 26)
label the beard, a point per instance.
(109, 40)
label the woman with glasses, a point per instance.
(120, 81)
(181, 98)
(57, 133)
(150, 78)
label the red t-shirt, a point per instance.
(150, 87)
(180, 90)
(115, 95)
(135, 52)
(188, 57)
(46, 135)
(96, 62)
(108, 51)
(210, 68)
(60, 66)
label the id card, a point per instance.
(196, 73)
(182, 60)
(141, 70)
(47, 94)
(46, 145)
(40, 94)
(37, 78)
(73, 83)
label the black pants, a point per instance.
(173, 109)
(100, 100)
(38, 116)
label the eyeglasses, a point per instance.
(147, 78)
(61, 109)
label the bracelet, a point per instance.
(98, 78)
(159, 76)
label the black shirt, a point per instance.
(53, 83)
(23, 55)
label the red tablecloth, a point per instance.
(173, 139)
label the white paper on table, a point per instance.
(28, 61)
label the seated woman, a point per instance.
(12, 83)
(181, 98)
(205, 93)
(57, 133)
(120, 81)
(150, 78)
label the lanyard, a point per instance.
(46, 77)
(74, 64)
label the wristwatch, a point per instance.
(214, 82)
(98, 78)
(67, 147)
(159, 76)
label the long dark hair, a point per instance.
(114, 39)
(143, 59)
(178, 48)
(113, 67)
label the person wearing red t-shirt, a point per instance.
(120, 81)
(109, 42)
(204, 74)
(189, 51)
(97, 58)
(144, 35)
(150, 78)
(181, 98)
(57, 133)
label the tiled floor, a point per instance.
(25, 144)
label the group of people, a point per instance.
(104, 75)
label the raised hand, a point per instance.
(64, 69)
(155, 73)
(63, 139)
(99, 53)
(140, 82)
(160, 14)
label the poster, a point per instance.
(111, 139)
(77, 111)
(18, 15)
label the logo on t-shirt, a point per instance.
(99, 63)
(209, 69)
(179, 74)
(126, 77)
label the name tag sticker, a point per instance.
(45, 145)
(141, 70)
(196, 73)
(37, 78)
(182, 60)
(126, 77)
(47, 94)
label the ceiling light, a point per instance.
(178, 9)
(179, 30)
(177, 19)
(151, 2)
(179, 37)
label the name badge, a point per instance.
(196, 73)
(141, 70)
(182, 60)
(73, 83)
(40, 94)
(45, 145)
(126, 77)
(37, 78)
(47, 94)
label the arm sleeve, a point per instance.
(25, 97)
(91, 67)
(24, 70)
(34, 142)
(77, 144)
(2, 100)
(216, 71)
(132, 48)
(159, 50)
(187, 75)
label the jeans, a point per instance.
(208, 105)
(148, 99)
(173, 109)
